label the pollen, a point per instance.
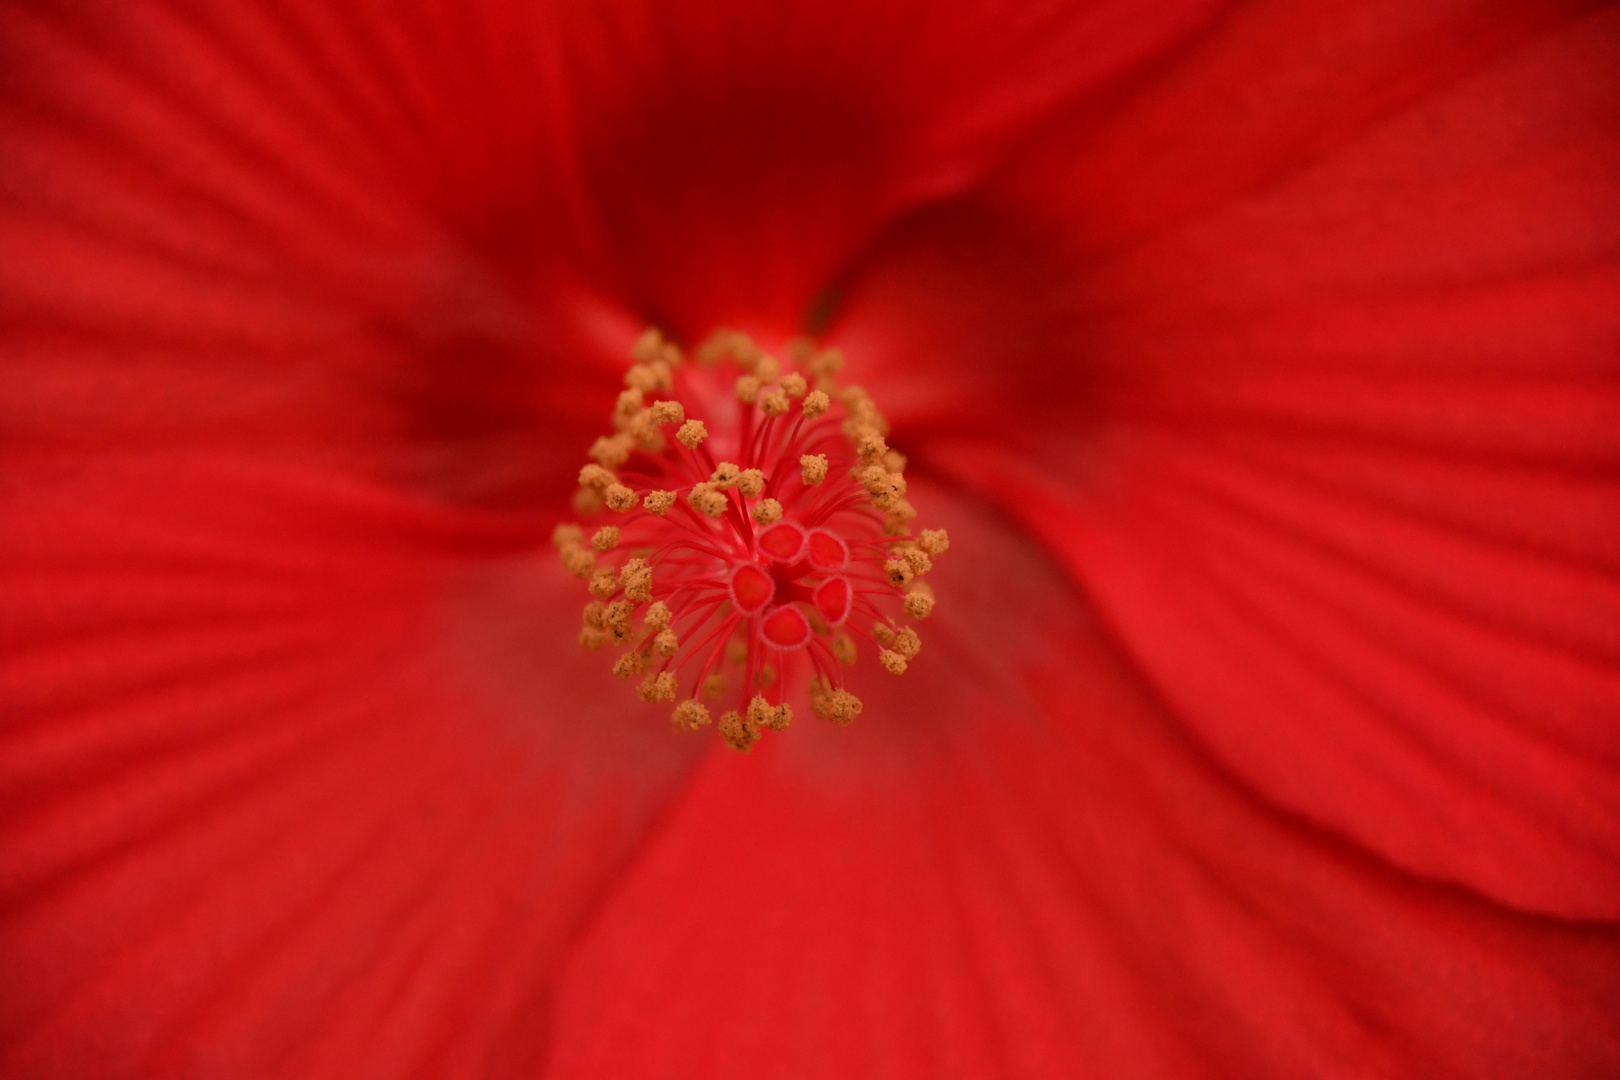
(691, 434)
(743, 558)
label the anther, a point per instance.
(660, 687)
(751, 483)
(907, 643)
(629, 665)
(933, 541)
(738, 733)
(657, 616)
(665, 643)
(892, 662)
(919, 601)
(774, 403)
(767, 511)
(689, 716)
(619, 497)
(816, 404)
(605, 539)
(813, 468)
(611, 451)
(692, 433)
(747, 389)
(658, 502)
(706, 500)
(594, 476)
(668, 412)
(604, 582)
(793, 385)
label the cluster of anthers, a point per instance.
(758, 525)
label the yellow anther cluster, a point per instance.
(863, 490)
(707, 499)
(691, 434)
(838, 706)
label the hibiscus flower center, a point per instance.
(758, 525)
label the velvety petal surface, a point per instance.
(742, 153)
(298, 778)
(1301, 354)
(1017, 863)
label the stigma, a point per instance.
(747, 536)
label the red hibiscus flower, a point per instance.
(1260, 360)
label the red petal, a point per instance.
(291, 785)
(1336, 459)
(1015, 863)
(743, 152)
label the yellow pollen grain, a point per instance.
(827, 362)
(813, 468)
(689, 716)
(907, 643)
(934, 541)
(843, 649)
(604, 583)
(611, 451)
(899, 515)
(764, 714)
(751, 483)
(595, 615)
(605, 539)
(884, 633)
(567, 534)
(898, 572)
(628, 404)
(577, 561)
(815, 404)
(793, 385)
(641, 377)
(892, 662)
(660, 687)
(747, 389)
(665, 643)
(616, 618)
(636, 578)
(737, 731)
(707, 501)
(774, 403)
(657, 616)
(658, 502)
(692, 433)
(920, 600)
(648, 346)
(668, 412)
(917, 559)
(725, 475)
(839, 706)
(869, 443)
(629, 665)
(768, 511)
(594, 476)
(619, 498)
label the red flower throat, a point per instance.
(776, 521)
